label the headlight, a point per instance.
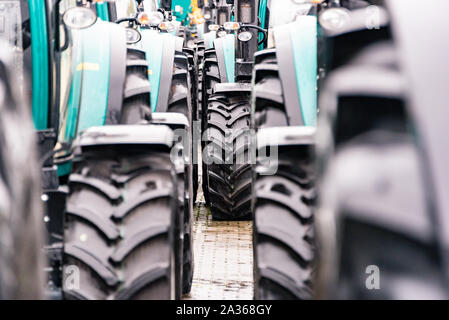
(231, 26)
(213, 27)
(153, 19)
(334, 18)
(245, 36)
(79, 18)
(143, 19)
(221, 34)
(132, 36)
(166, 26)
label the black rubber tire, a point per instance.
(210, 76)
(184, 207)
(182, 33)
(200, 58)
(180, 101)
(121, 225)
(283, 231)
(282, 204)
(193, 73)
(269, 110)
(136, 104)
(229, 180)
(21, 218)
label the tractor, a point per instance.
(172, 72)
(287, 77)
(283, 114)
(109, 179)
(21, 220)
(226, 88)
(382, 215)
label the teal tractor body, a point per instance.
(181, 9)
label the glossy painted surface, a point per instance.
(153, 46)
(102, 11)
(228, 45)
(304, 43)
(39, 54)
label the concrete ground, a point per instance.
(223, 257)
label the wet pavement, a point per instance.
(223, 257)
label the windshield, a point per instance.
(286, 11)
(125, 8)
(150, 5)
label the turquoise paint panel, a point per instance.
(94, 68)
(303, 34)
(152, 44)
(262, 17)
(209, 39)
(229, 55)
(102, 11)
(176, 24)
(200, 31)
(39, 56)
(64, 169)
(185, 5)
(75, 90)
(89, 91)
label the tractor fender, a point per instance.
(296, 45)
(209, 39)
(280, 139)
(285, 136)
(235, 87)
(225, 49)
(179, 44)
(143, 134)
(117, 73)
(160, 52)
(174, 120)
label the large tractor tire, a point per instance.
(228, 161)
(193, 74)
(200, 58)
(180, 101)
(122, 237)
(283, 230)
(135, 106)
(120, 228)
(21, 219)
(269, 100)
(210, 76)
(282, 203)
